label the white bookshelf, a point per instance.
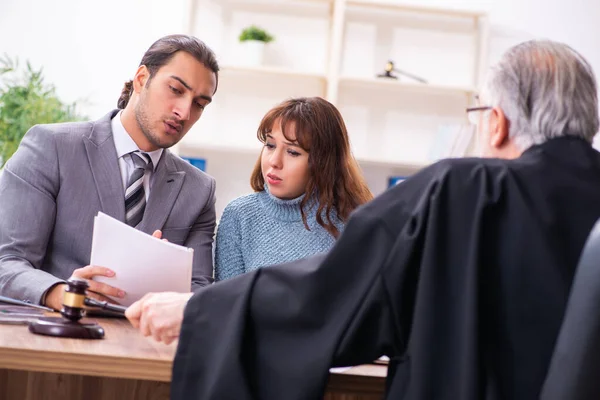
(335, 49)
(377, 84)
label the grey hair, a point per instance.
(546, 90)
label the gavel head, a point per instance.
(73, 299)
(389, 66)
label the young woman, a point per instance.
(306, 184)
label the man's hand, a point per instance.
(98, 290)
(158, 234)
(159, 315)
(54, 297)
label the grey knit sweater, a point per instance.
(260, 229)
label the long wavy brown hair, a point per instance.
(335, 179)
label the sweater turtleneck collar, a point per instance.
(284, 210)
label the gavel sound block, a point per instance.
(72, 311)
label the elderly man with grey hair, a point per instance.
(460, 275)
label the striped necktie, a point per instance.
(135, 196)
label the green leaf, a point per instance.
(253, 32)
(25, 100)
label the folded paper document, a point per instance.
(142, 263)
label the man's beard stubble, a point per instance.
(144, 123)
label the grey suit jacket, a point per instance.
(58, 180)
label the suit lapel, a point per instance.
(166, 185)
(102, 156)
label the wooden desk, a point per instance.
(124, 365)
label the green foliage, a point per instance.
(25, 100)
(255, 33)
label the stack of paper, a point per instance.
(142, 263)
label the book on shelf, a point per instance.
(395, 180)
(199, 163)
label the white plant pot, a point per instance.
(251, 53)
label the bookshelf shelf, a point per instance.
(406, 167)
(202, 148)
(188, 149)
(398, 85)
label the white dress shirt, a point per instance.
(125, 145)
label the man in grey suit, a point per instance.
(63, 174)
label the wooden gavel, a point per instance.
(75, 298)
(73, 309)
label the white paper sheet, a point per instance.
(142, 263)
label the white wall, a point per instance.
(574, 22)
(88, 49)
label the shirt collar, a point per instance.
(125, 144)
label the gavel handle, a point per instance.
(105, 305)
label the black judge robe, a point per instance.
(460, 275)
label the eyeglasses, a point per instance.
(474, 117)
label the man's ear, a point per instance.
(498, 128)
(141, 78)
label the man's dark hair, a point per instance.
(161, 52)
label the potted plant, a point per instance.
(26, 100)
(253, 40)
